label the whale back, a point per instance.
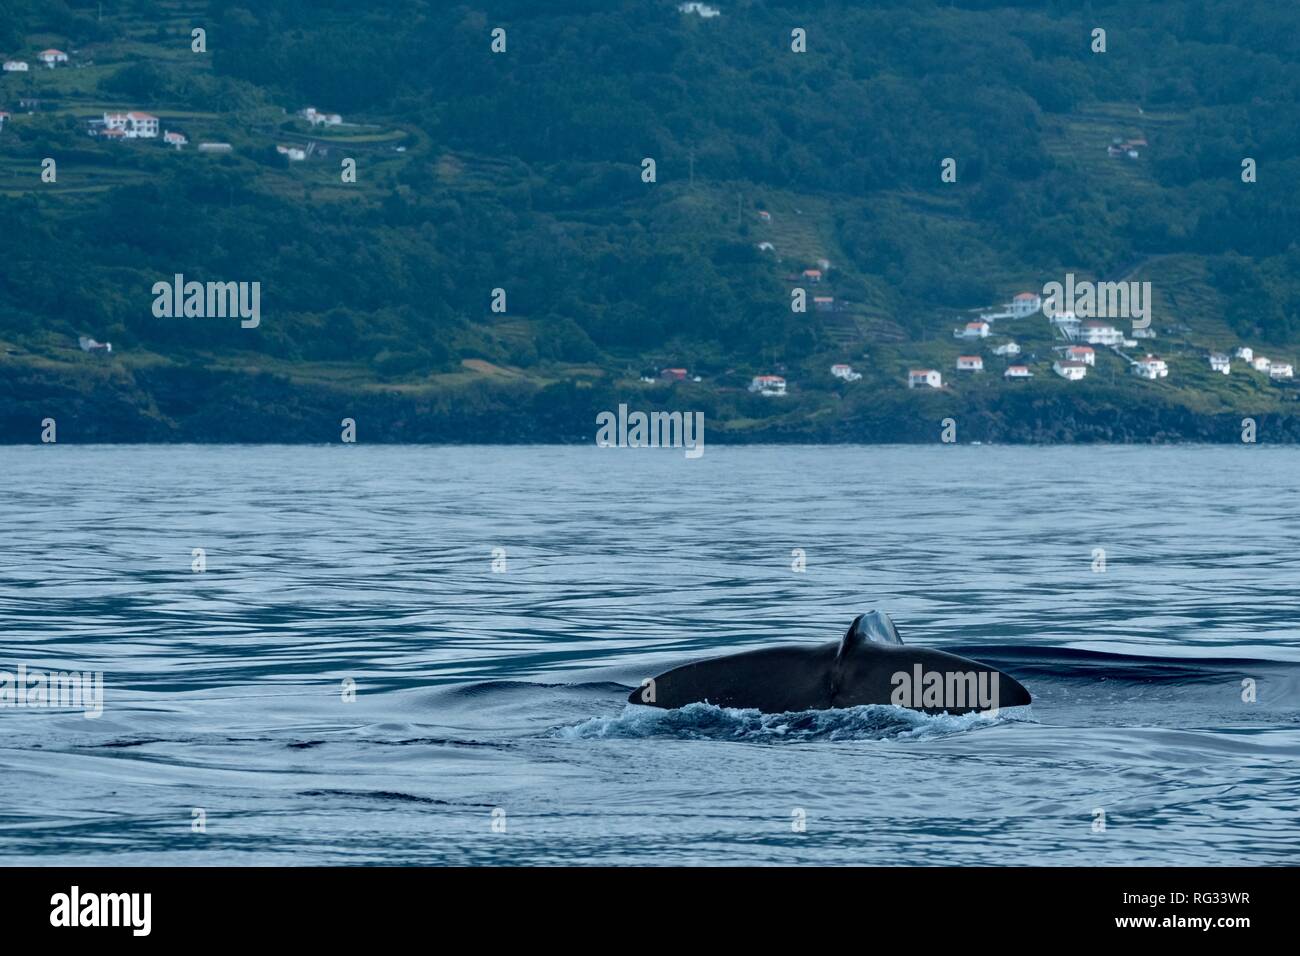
(863, 667)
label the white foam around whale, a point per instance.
(709, 722)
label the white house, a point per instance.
(970, 363)
(1071, 371)
(768, 385)
(1280, 370)
(923, 377)
(973, 330)
(1067, 322)
(766, 247)
(317, 118)
(1017, 371)
(1147, 333)
(51, 57)
(1151, 367)
(15, 66)
(703, 9)
(845, 372)
(1011, 348)
(1025, 303)
(174, 139)
(1100, 333)
(1260, 363)
(293, 152)
(131, 125)
(1246, 354)
(90, 345)
(764, 216)
(215, 147)
(1081, 353)
(1220, 363)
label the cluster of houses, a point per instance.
(317, 118)
(1022, 304)
(931, 378)
(134, 125)
(140, 125)
(50, 58)
(1075, 359)
(774, 386)
(1073, 362)
(1277, 371)
(1079, 355)
(701, 9)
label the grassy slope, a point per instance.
(865, 334)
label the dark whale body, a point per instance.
(869, 665)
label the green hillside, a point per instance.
(521, 170)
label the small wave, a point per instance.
(709, 722)
(1080, 665)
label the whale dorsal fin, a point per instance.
(874, 627)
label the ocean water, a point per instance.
(487, 723)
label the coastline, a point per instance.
(186, 405)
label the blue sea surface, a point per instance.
(488, 720)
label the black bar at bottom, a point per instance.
(655, 906)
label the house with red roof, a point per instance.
(841, 370)
(768, 385)
(1151, 367)
(133, 125)
(52, 57)
(1082, 353)
(1025, 303)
